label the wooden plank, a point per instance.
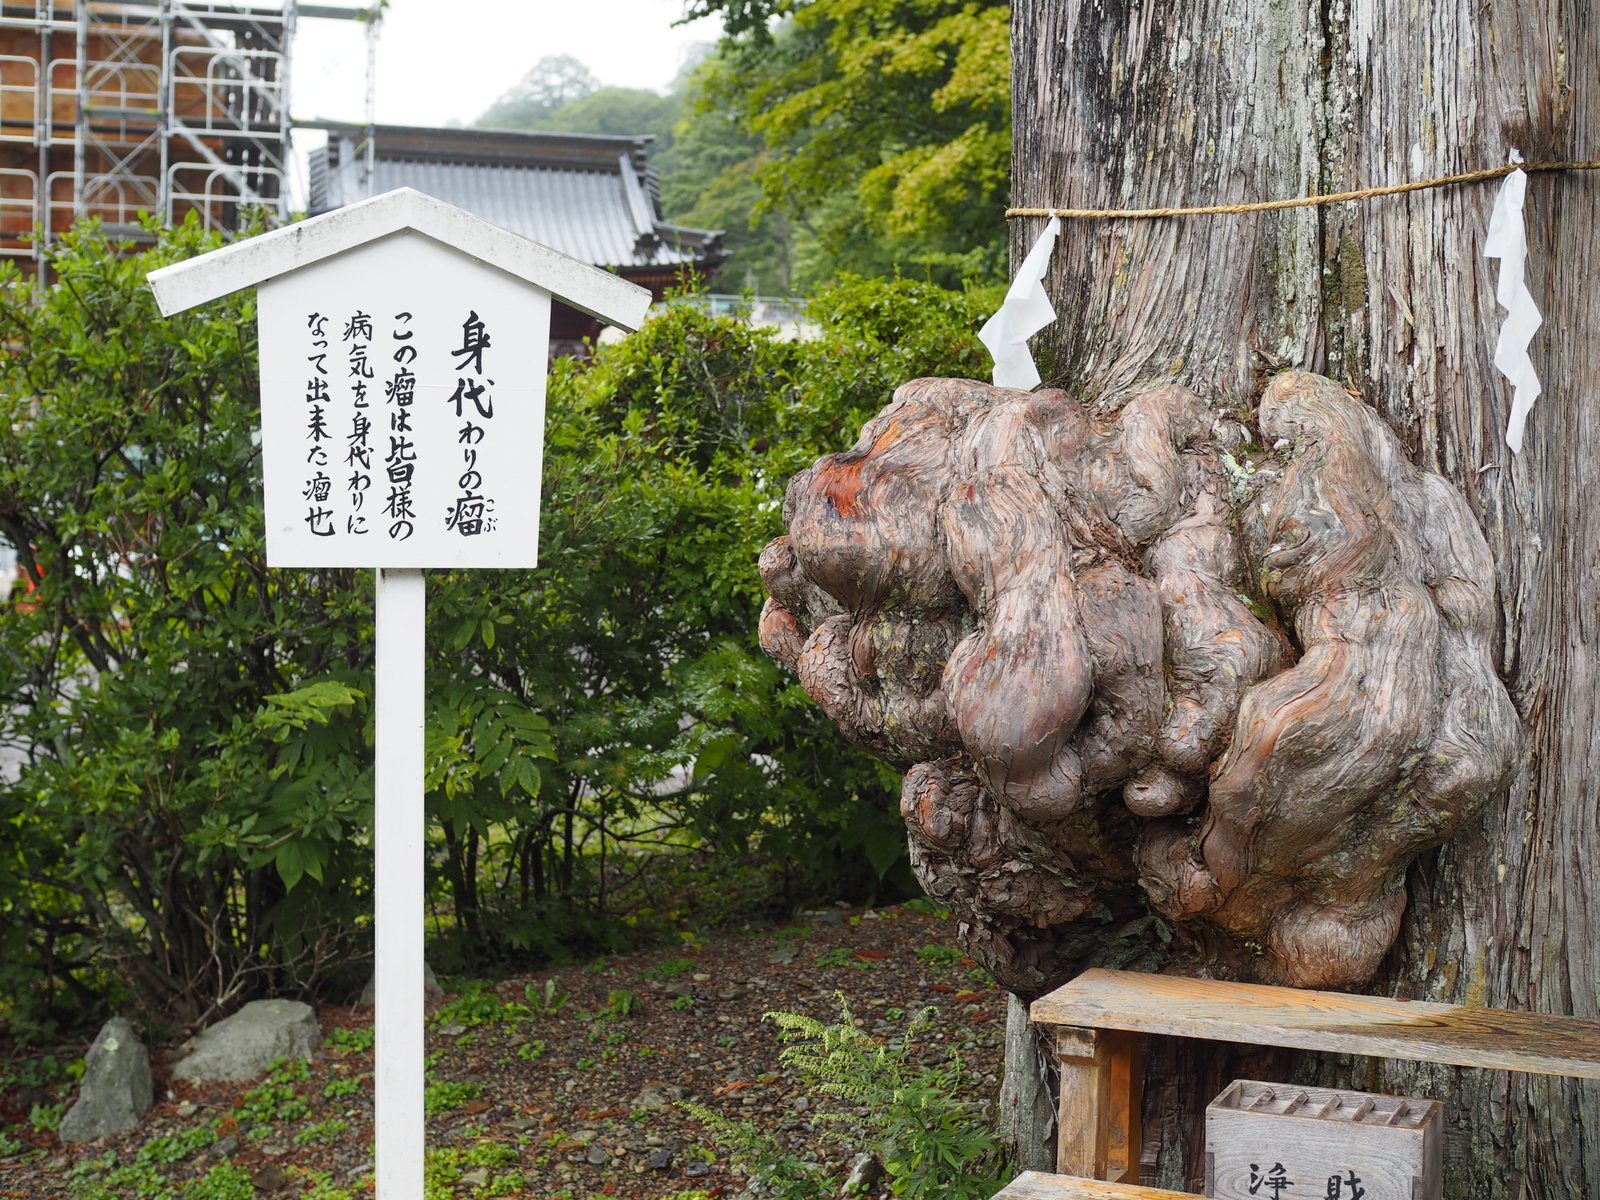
(1125, 1099)
(1307, 1020)
(1083, 1126)
(1036, 1185)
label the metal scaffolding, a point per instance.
(167, 107)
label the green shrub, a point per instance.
(932, 1144)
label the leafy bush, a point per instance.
(931, 1143)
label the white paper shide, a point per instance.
(1026, 310)
(402, 410)
(1508, 241)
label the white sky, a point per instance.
(443, 61)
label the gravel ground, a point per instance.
(578, 1102)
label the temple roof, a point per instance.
(591, 197)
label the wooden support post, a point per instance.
(1097, 1134)
(1127, 1099)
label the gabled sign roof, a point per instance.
(255, 260)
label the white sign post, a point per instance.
(404, 345)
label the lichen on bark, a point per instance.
(1124, 675)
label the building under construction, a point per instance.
(166, 107)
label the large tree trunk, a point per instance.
(1120, 103)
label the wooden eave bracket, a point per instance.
(600, 294)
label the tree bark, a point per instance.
(1119, 103)
(1027, 1101)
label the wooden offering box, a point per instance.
(1271, 1141)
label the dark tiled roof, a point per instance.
(590, 197)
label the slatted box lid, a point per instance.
(1271, 1141)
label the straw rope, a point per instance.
(1301, 201)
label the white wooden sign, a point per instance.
(402, 410)
(403, 356)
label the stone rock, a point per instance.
(244, 1045)
(116, 1089)
(823, 916)
(430, 986)
(697, 1170)
(597, 1155)
(866, 1173)
(785, 953)
(661, 1160)
(658, 1097)
(270, 1178)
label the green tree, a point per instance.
(884, 128)
(551, 83)
(709, 180)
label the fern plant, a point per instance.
(932, 1144)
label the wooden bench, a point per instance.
(1100, 1017)
(1036, 1185)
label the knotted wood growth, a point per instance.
(1136, 664)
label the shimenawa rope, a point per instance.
(1301, 201)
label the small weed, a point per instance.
(491, 1154)
(322, 1187)
(46, 1118)
(547, 1000)
(512, 1183)
(927, 908)
(670, 968)
(940, 955)
(531, 1051)
(9, 1146)
(164, 1151)
(619, 1005)
(479, 1005)
(321, 1131)
(274, 1099)
(338, 1089)
(222, 1182)
(440, 1170)
(101, 1179)
(445, 1095)
(978, 977)
(682, 1003)
(350, 1041)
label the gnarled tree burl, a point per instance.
(1120, 659)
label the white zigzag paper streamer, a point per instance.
(1026, 310)
(1508, 241)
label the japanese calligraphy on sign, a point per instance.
(402, 411)
(1282, 1142)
